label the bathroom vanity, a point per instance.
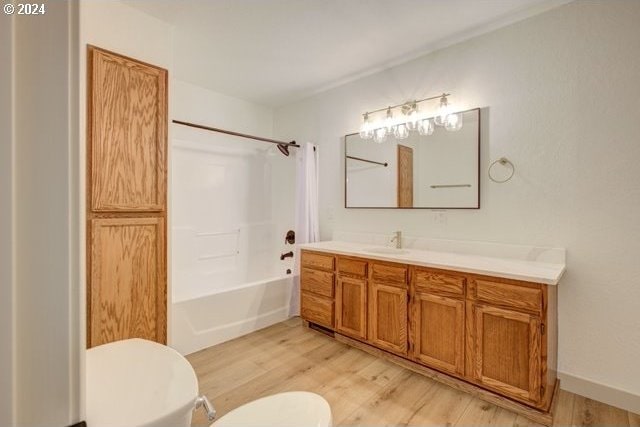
(483, 325)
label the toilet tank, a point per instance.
(136, 383)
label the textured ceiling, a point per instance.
(276, 51)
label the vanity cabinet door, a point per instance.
(351, 307)
(507, 351)
(438, 332)
(388, 317)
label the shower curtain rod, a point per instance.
(230, 132)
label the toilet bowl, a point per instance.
(139, 383)
(290, 409)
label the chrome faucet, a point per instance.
(397, 237)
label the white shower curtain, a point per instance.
(307, 223)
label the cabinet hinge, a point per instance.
(543, 329)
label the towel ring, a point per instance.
(503, 161)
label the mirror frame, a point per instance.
(419, 207)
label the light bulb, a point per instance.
(401, 131)
(413, 117)
(366, 130)
(426, 127)
(389, 123)
(454, 122)
(444, 110)
(380, 135)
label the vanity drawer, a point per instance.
(316, 281)
(316, 309)
(317, 260)
(505, 294)
(354, 267)
(392, 274)
(439, 283)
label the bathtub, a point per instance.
(227, 278)
(200, 321)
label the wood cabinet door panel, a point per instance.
(388, 317)
(351, 307)
(128, 282)
(508, 352)
(438, 332)
(127, 138)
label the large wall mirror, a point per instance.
(437, 171)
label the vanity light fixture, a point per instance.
(409, 119)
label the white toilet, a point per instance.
(139, 383)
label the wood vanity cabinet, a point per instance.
(437, 320)
(493, 337)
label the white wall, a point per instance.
(45, 226)
(7, 291)
(562, 94)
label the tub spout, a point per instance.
(287, 255)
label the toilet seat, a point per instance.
(290, 409)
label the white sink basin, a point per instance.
(387, 251)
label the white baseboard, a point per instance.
(611, 396)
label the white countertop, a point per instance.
(530, 271)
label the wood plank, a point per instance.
(351, 380)
(480, 413)
(399, 400)
(443, 406)
(587, 412)
(563, 414)
(533, 414)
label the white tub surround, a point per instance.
(547, 272)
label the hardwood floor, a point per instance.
(361, 389)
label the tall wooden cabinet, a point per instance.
(126, 199)
(496, 337)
